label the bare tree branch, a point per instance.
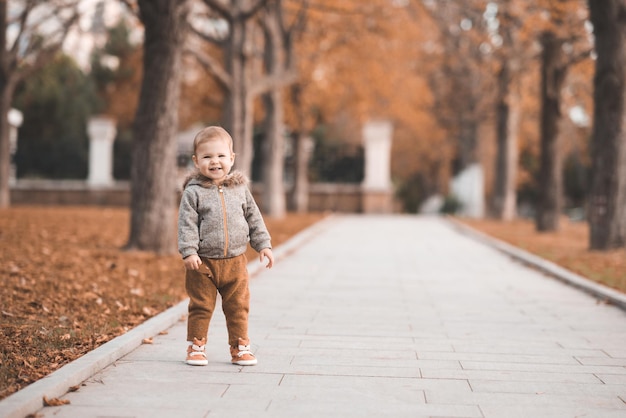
(219, 7)
(214, 39)
(23, 17)
(253, 9)
(298, 24)
(270, 82)
(212, 66)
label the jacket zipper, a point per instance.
(221, 192)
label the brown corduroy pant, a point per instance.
(229, 277)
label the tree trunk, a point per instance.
(273, 165)
(507, 119)
(5, 103)
(238, 112)
(553, 72)
(467, 153)
(274, 203)
(6, 94)
(299, 198)
(607, 200)
(153, 172)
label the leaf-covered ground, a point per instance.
(67, 287)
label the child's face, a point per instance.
(214, 159)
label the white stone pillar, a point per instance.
(15, 119)
(102, 133)
(469, 188)
(377, 140)
(376, 186)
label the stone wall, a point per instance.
(347, 198)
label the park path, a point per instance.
(375, 316)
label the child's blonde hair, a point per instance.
(212, 133)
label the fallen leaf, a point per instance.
(73, 388)
(55, 401)
(163, 333)
(147, 341)
(137, 291)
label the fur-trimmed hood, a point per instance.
(236, 178)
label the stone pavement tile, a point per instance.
(523, 348)
(359, 361)
(366, 342)
(341, 370)
(530, 399)
(612, 379)
(548, 411)
(214, 373)
(346, 356)
(490, 358)
(533, 387)
(135, 393)
(336, 351)
(507, 375)
(108, 411)
(541, 367)
(602, 361)
(350, 396)
(350, 407)
(339, 327)
(616, 352)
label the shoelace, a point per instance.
(197, 347)
(243, 350)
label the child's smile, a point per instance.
(214, 159)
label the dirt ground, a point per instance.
(67, 287)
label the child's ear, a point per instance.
(232, 157)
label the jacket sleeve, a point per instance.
(259, 236)
(188, 233)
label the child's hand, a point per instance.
(192, 262)
(267, 253)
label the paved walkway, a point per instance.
(376, 316)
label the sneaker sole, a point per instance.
(245, 362)
(197, 362)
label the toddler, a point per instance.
(217, 218)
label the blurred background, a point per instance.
(480, 108)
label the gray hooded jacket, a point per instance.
(219, 221)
